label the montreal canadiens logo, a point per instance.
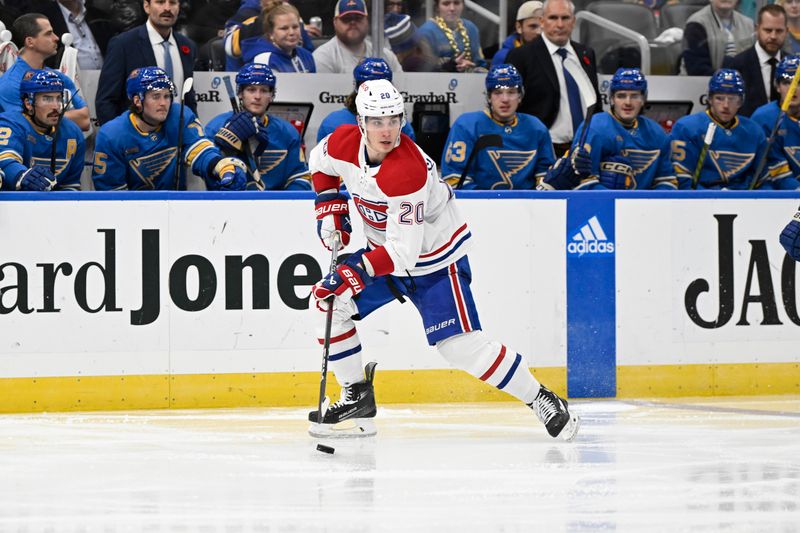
(373, 214)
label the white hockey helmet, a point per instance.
(379, 98)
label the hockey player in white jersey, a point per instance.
(417, 243)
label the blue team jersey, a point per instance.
(785, 148)
(129, 158)
(525, 156)
(261, 50)
(22, 146)
(731, 158)
(345, 116)
(10, 81)
(644, 144)
(282, 164)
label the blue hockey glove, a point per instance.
(349, 279)
(560, 177)
(581, 161)
(616, 173)
(790, 237)
(239, 128)
(35, 179)
(230, 174)
(263, 140)
(333, 215)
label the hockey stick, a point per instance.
(712, 127)
(587, 122)
(187, 86)
(326, 344)
(484, 141)
(57, 127)
(252, 164)
(784, 109)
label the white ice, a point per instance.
(689, 465)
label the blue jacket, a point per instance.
(511, 42)
(264, 51)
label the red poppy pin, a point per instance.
(185, 50)
(586, 61)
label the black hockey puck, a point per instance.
(325, 449)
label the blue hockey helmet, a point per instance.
(255, 74)
(628, 79)
(142, 80)
(371, 68)
(503, 75)
(726, 81)
(786, 68)
(40, 81)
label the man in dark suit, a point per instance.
(757, 63)
(90, 28)
(151, 44)
(560, 75)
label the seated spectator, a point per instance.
(350, 44)
(711, 34)
(139, 149)
(279, 46)
(90, 30)
(757, 63)
(413, 53)
(28, 159)
(370, 68)
(528, 27)
(623, 149)
(36, 41)
(454, 40)
(248, 25)
(269, 146)
(127, 14)
(736, 146)
(792, 8)
(785, 145)
(527, 151)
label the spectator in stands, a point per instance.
(350, 44)
(247, 25)
(560, 75)
(280, 45)
(757, 63)
(153, 43)
(127, 14)
(792, 8)
(413, 52)
(528, 26)
(275, 145)
(454, 40)
(784, 144)
(716, 31)
(36, 41)
(90, 30)
(527, 151)
(369, 68)
(394, 6)
(736, 146)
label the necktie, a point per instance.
(573, 93)
(773, 92)
(167, 60)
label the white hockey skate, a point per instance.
(352, 415)
(552, 411)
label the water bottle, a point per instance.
(316, 22)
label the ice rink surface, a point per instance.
(724, 464)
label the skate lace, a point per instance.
(348, 397)
(546, 409)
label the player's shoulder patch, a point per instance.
(404, 170)
(344, 143)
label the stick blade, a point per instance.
(187, 86)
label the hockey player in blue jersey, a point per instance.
(369, 68)
(274, 143)
(138, 149)
(737, 144)
(26, 139)
(627, 150)
(527, 150)
(786, 146)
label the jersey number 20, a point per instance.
(410, 213)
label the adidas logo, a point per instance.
(590, 239)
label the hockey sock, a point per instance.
(491, 362)
(344, 358)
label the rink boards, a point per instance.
(201, 299)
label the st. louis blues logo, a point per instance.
(150, 167)
(730, 163)
(508, 164)
(373, 213)
(641, 160)
(792, 152)
(270, 159)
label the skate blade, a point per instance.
(346, 429)
(571, 429)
